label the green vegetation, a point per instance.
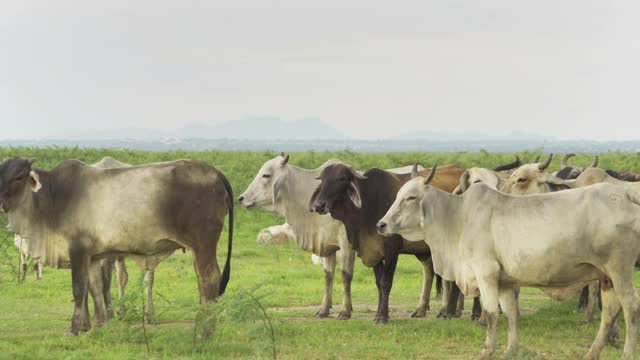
(35, 315)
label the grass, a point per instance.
(35, 315)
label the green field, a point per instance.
(35, 315)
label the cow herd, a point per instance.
(479, 232)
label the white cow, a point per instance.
(490, 242)
(282, 234)
(281, 187)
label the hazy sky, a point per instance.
(563, 68)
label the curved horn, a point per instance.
(545, 164)
(414, 171)
(565, 158)
(596, 160)
(431, 174)
(537, 159)
(285, 160)
(509, 166)
(464, 179)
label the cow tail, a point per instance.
(226, 273)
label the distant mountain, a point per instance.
(262, 128)
(250, 129)
(470, 136)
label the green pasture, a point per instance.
(35, 315)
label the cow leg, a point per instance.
(591, 302)
(348, 262)
(476, 310)
(80, 283)
(23, 266)
(630, 302)
(329, 265)
(584, 297)
(460, 306)
(451, 295)
(489, 289)
(610, 310)
(507, 298)
(206, 263)
(392, 248)
(439, 283)
(427, 284)
(123, 278)
(107, 272)
(446, 291)
(37, 267)
(378, 270)
(96, 288)
(149, 310)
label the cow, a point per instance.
(571, 172)
(281, 187)
(489, 242)
(23, 248)
(358, 201)
(624, 176)
(494, 179)
(91, 213)
(146, 263)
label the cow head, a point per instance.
(338, 189)
(17, 181)
(477, 175)
(405, 215)
(533, 179)
(260, 193)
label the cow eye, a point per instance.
(477, 181)
(412, 198)
(266, 176)
(521, 180)
(18, 179)
(342, 178)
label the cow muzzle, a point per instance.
(320, 207)
(382, 227)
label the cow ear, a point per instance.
(34, 181)
(354, 195)
(556, 184)
(313, 198)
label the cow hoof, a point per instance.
(585, 322)
(484, 355)
(381, 320)
(321, 314)
(612, 337)
(343, 315)
(419, 314)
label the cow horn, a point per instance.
(285, 160)
(464, 178)
(565, 158)
(537, 159)
(596, 160)
(414, 171)
(509, 166)
(431, 174)
(545, 164)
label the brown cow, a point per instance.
(359, 201)
(92, 213)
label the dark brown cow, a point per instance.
(90, 213)
(359, 201)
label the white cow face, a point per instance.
(259, 194)
(405, 214)
(530, 179)
(478, 175)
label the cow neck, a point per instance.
(442, 221)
